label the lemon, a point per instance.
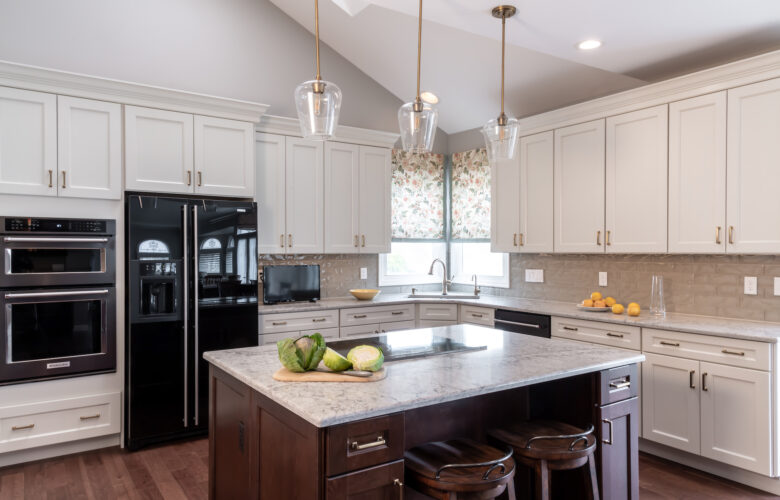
(633, 304)
(610, 301)
(599, 303)
(633, 310)
(618, 309)
(595, 296)
(587, 303)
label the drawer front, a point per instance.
(291, 322)
(397, 325)
(364, 443)
(441, 312)
(433, 323)
(382, 314)
(477, 315)
(734, 352)
(354, 331)
(273, 338)
(40, 424)
(383, 481)
(327, 333)
(617, 384)
(625, 336)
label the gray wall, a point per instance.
(243, 49)
(464, 141)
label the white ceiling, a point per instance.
(643, 41)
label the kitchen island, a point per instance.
(275, 440)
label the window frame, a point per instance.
(385, 279)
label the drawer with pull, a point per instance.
(477, 315)
(364, 443)
(273, 338)
(381, 314)
(438, 312)
(625, 336)
(291, 322)
(617, 384)
(39, 424)
(726, 351)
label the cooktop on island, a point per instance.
(407, 345)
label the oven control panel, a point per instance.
(39, 225)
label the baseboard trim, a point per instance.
(763, 483)
(57, 450)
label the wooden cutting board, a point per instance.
(285, 375)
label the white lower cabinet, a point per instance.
(476, 315)
(377, 328)
(433, 323)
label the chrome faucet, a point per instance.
(444, 280)
(476, 287)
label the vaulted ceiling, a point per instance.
(643, 41)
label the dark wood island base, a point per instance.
(260, 450)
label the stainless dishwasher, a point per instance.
(537, 325)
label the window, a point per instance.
(210, 257)
(153, 250)
(408, 263)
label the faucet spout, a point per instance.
(444, 280)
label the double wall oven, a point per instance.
(57, 298)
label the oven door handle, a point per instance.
(38, 239)
(54, 294)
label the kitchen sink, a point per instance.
(440, 296)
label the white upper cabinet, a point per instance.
(224, 157)
(270, 193)
(28, 142)
(304, 194)
(697, 174)
(375, 178)
(504, 209)
(536, 193)
(342, 198)
(158, 150)
(753, 168)
(579, 188)
(636, 181)
(89, 136)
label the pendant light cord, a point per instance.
(503, 48)
(419, 49)
(317, 36)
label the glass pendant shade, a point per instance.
(418, 128)
(501, 140)
(318, 112)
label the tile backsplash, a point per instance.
(695, 284)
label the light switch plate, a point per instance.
(751, 285)
(363, 273)
(534, 275)
(777, 286)
(602, 278)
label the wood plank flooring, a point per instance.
(180, 471)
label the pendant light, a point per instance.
(501, 133)
(318, 102)
(417, 119)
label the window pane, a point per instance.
(476, 258)
(413, 258)
(471, 195)
(242, 260)
(208, 262)
(252, 256)
(417, 195)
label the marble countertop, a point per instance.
(510, 361)
(709, 325)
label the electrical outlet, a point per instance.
(751, 285)
(777, 287)
(602, 278)
(363, 273)
(534, 275)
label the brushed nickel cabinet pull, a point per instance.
(364, 241)
(611, 431)
(397, 313)
(189, 177)
(279, 323)
(571, 328)
(607, 239)
(90, 417)
(691, 378)
(521, 240)
(319, 320)
(281, 240)
(735, 353)
(616, 335)
(359, 316)
(50, 178)
(400, 484)
(717, 235)
(289, 240)
(200, 178)
(477, 315)
(380, 441)
(670, 344)
(514, 239)
(704, 382)
(620, 385)
(598, 238)
(22, 427)
(63, 180)
(731, 235)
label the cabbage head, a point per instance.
(302, 354)
(366, 357)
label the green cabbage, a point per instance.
(366, 357)
(302, 354)
(335, 361)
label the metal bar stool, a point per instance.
(460, 469)
(549, 445)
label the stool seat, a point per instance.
(459, 466)
(547, 440)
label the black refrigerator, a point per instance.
(191, 287)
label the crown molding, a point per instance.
(735, 74)
(104, 89)
(283, 125)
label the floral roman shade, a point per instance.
(471, 195)
(418, 195)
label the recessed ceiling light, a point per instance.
(429, 97)
(589, 44)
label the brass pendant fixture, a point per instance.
(501, 133)
(318, 101)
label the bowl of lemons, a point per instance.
(597, 303)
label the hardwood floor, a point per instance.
(180, 471)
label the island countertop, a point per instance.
(510, 361)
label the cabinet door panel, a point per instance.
(304, 188)
(579, 188)
(342, 192)
(373, 483)
(697, 174)
(736, 417)
(536, 193)
(753, 176)
(504, 207)
(89, 136)
(375, 209)
(28, 142)
(158, 150)
(224, 157)
(637, 181)
(670, 406)
(618, 434)
(270, 193)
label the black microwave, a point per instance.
(291, 284)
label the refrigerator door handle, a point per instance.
(195, 303)
(185, 304)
